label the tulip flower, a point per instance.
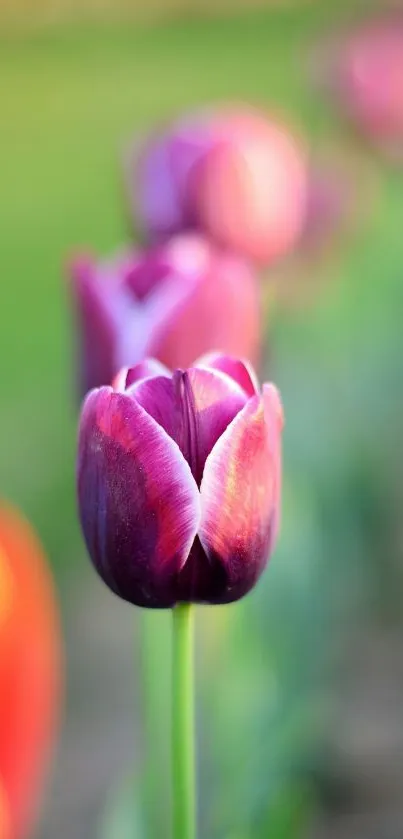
(235, 174)
(250, 187)
(366, 76)
(5, 830)
(29, 673)
(179, 481)
(173, 302)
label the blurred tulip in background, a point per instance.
(233, 172)
(173, 302)
(366, 76)
(29, 673)
(250, 188)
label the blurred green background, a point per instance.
(72, 96)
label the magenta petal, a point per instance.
(275, 422)
(215, 400)
(221, 310)
(240, 371)
(162, 192)
(146, 369)
(194, 408)
(156, 191)
(97, 328)
(240, 495)
(139, 505)
(157, 395)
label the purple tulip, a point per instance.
(173, 302)
(179, 481)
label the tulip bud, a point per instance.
(366, 76)
(173, 302)
(179, 481)
(232, 173)
(5, 829)
(29, 673)
(250, 187)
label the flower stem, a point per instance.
(183, 762)
(156, 652)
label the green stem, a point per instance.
(183, 761)
(156, 653)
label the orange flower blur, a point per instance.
(29, 672)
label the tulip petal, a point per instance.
(5, 827)
(215, 400)
(30, 673)
(275, 423)
(240, 371)
(114, 327)
(194, 408)
(162, 194)
(95, 311)
(139, 505)
(239, 495)
(218, 308)
(156, 196)
(145, 369)
(158, 397)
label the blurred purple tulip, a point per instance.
(159, 176)
(173, 302)
(179, 481)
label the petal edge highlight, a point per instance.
(237, 369)
(239, 497)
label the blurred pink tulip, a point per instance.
(30, 673)
(233, 173)
(250, 187)
(367, 78)
(173, 302)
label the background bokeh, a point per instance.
(300, 711)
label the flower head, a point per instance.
(233, 173)
(172, 302)
(29, 672)
(363, 69)
(179, 481)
